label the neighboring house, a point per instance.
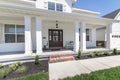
(115, 29)
(27, 25)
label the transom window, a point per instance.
(87, 35)
(55, 6)
(14, 33)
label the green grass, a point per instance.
(40, 76)
(108, 74)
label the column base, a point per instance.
(39, 52)
(28, 53)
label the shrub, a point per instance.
(79, 54)
(98, 53)
(107, 53)
(91, 54)
(19, 63)
(1, 65)
(115, 51)
(4, 72)
(21, 69)
(118, 51)
(36, 59)
(14, 66)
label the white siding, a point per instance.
(68, 31)
(9, 47)
(116, 32)
(43, 4)
(68, 35)
(18, 3)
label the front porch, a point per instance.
(38, 31)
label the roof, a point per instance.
(83, 10)
(112, 15)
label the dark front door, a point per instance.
(55, 38)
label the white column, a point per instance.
(76, 41)
(39, 35)
(108, 35)
(28, 39)
(93, 30)
(83, 36)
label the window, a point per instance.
(14, 33)
(59, 7)
(87, 35)
(51, 6)
(55, 6)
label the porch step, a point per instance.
(61, 57)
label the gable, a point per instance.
(112, 15)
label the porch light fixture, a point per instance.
(56, 23)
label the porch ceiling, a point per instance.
(8, 10)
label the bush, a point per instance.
(79, 54)
(36, 59)
(115, 51)
(118, 51)
(107, 53)
(91, 54)
(21, 69)
(19, 63)
(1, 65)
(98, 53)
(4, 72)
(14, 66)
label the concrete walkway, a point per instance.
(72, 68)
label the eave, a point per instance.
(57, 15)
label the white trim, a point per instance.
(4, 33)
(40, 12)
(12, 33)
(117, 16)
(87, 11)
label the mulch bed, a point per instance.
(88, 57)
(31, 69)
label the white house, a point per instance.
(37, 25)
(115, 39)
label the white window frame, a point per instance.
(56, 6)
(16, 41)
(59, 9)
(86, 35)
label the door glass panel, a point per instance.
(55, 38)
(50, 34)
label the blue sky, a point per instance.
(102, 6)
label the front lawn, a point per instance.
(40, 76)
(108, 74)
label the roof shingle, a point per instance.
(112, 15)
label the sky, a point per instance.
(102, 6)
